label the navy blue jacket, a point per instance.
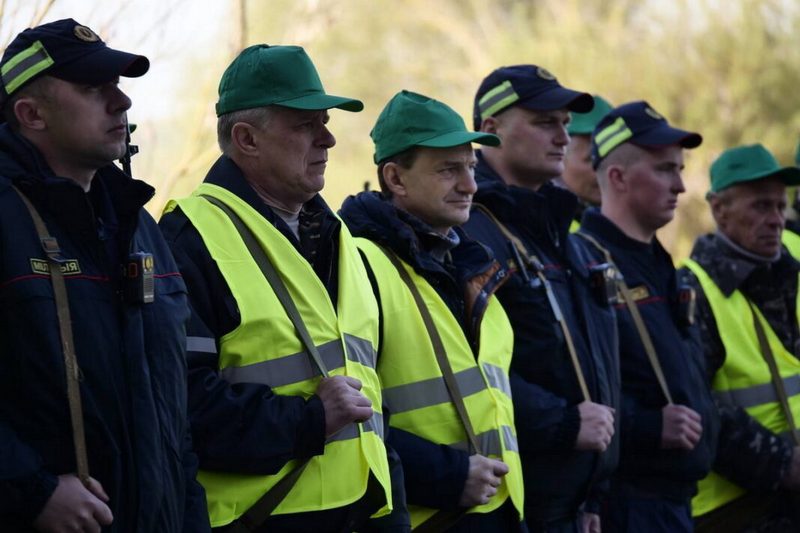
(670, 474)
(558, 479)
(435, 474)
(246, 427)
(131, 355)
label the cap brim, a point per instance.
(787, 175)
(667, 135)
(317, 102)
(102, 66)
(558, 98)
(457, 138)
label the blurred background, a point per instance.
(727, 69)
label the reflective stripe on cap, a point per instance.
(24, 66)
(497, 99)
(612, 136)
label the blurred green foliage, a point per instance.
(728, 69)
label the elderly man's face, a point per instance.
(751, 215)
(293, 154)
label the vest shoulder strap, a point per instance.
(641, 328)
(53, 253)
(524, 258)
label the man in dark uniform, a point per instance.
(668, 419)
(93, 422)
(564, 370)
(578, 175)
(743, 274)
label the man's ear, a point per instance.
(394, 180)
(28, 113)
(719, 209)
(490, 125)
(616, 179)
(243, 137)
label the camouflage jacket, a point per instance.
(748, 453)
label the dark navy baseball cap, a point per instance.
(637, 123)
(66, 50)
(526, 86)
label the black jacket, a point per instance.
(558, 478)
(748, 453)
(131, 355)
(464, 276)
(649, 272)
(246, 427)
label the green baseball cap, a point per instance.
(263, 75)
(411, 119)
(749, 163)
(585, 123)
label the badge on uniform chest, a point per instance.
(138, 279)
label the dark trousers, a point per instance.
(570, 525)
(502, 520)
(767, 512)
(630, 510)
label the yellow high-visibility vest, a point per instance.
(414, 389)
(574, 226)
(791, 240)
(744, 379)
(265, 348)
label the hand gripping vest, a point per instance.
(744, 378)
(413, 386)
(265, 348)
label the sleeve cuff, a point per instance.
(567, 434)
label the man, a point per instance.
(743, 274)
(260, 412)
(426, 174)
(104, 444)
(668, 425)
(791, 233)
(564, 369)
(578, 174)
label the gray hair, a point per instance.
(257, 117)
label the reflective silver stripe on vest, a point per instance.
(489, 441)
(497, 378)
(510, 439)
(350, 431)
(201, 344)
(432, 391)
(360, 350)
(758, 394)
(286, 370)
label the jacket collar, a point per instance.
(23, 164)
(545, 213)
(730, 270)
(226, 174)
(371, 216)
(596, 223)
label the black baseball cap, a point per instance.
(67, 50)
(526, 86)
(637, 123)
